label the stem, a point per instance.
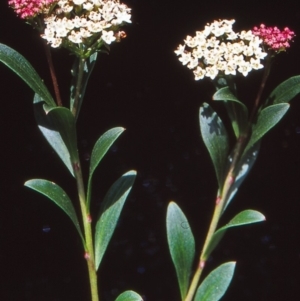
(38, 22)
(262, 86)
(202, 259)
(85, 211)
(53, 74)
(77, 97)
(89, 249)
(221, 200)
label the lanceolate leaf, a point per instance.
(100, 149)
(64, 123)
(216, 283)
(129, 296)
(18, 64)
(215, 138)
(48, 129)
(87, 70)
(237, 111)
(267, 119)
(109, 213)
(286, 91)
(181, 245)
(245, 217)
(56, 194)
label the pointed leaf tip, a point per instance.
(110, 212)
(56, 194)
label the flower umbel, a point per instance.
(273, 37)
(83, 26)
(27, 9)
(218, 50)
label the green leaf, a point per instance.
(242, 170)
(87, 70)
(286, 91)
(267, 119)
(49, 131)
(101, 147)
(109, 213)
(64, 123)
(56, 194)
(245, 217)
(215, 139)
(129, 296)
(18, 64)
(216, 283)
(237, 111)
(181, 245)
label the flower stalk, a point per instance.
(53, 74)
(89, 246)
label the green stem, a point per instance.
(86, 219)
(222, 198)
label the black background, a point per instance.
(143, 87)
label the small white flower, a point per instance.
(255, 64)
(230, 68)
(211, 72)
(79, 2)
(247, 35)
(191, 42)
(75, 37)
(180, 49)
(199, 73)
(88, 6)
(56, 42)
(122, 16)
(108, 36)
(245, 68)
(193, 63)
(185, 58)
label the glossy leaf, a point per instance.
(56, 194)
(87, 70)
(216, 283)
(110, 212)
(286, 91)
(129, 296)
(181, 245)
(215, 139)
(19, 65)
(245, 217)
(237, 111)
(242, 170)
(49, 131)
(267, 119)
(101, 147)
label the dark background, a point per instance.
(143, 87)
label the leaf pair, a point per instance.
(182, 249)
(215, 136)
(112, 204)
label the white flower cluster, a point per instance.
(78, 20)
(218, 50)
